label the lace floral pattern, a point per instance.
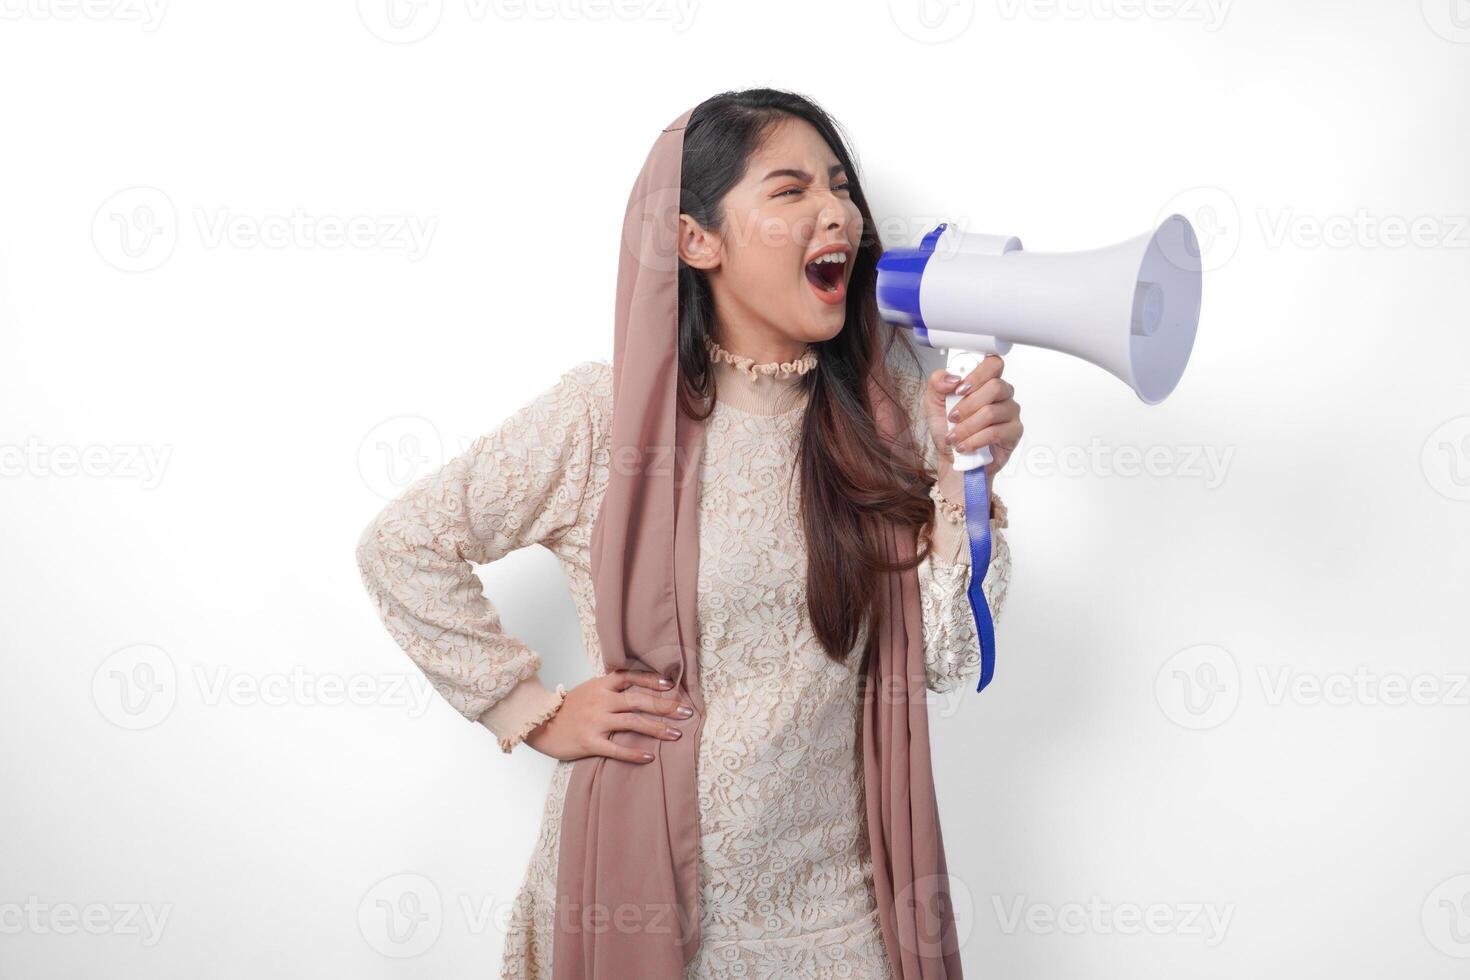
(785, 888)
(518, 485)
(786, 881)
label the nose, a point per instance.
(833, 211)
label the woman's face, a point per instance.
(791, 207)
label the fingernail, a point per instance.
(950, 378)
(665, 682)
(963, 388)
(684, 711)
(954, 416)
(648, 757)
(672, 733)
(951, 438)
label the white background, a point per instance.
(1200, 703)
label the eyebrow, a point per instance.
(832, 171)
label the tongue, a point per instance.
(823, 275)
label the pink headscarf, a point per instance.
(627, 904)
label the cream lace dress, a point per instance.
(785, 874)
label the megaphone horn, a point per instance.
(1130, 308)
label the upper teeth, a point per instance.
(831, 257)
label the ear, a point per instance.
(698, 247)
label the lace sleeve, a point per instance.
(951, 643)
(520, 484)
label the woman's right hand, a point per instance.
(623, 700)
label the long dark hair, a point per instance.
(852, 480)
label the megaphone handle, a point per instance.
(960, 363)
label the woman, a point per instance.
(782, 364)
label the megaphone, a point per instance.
(1131, 308)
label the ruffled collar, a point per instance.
(770, 388)
(749, 367)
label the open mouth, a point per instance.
(826, 272)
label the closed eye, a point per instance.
(845, 186)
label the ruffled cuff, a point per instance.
(951, 541)
(529, 704)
